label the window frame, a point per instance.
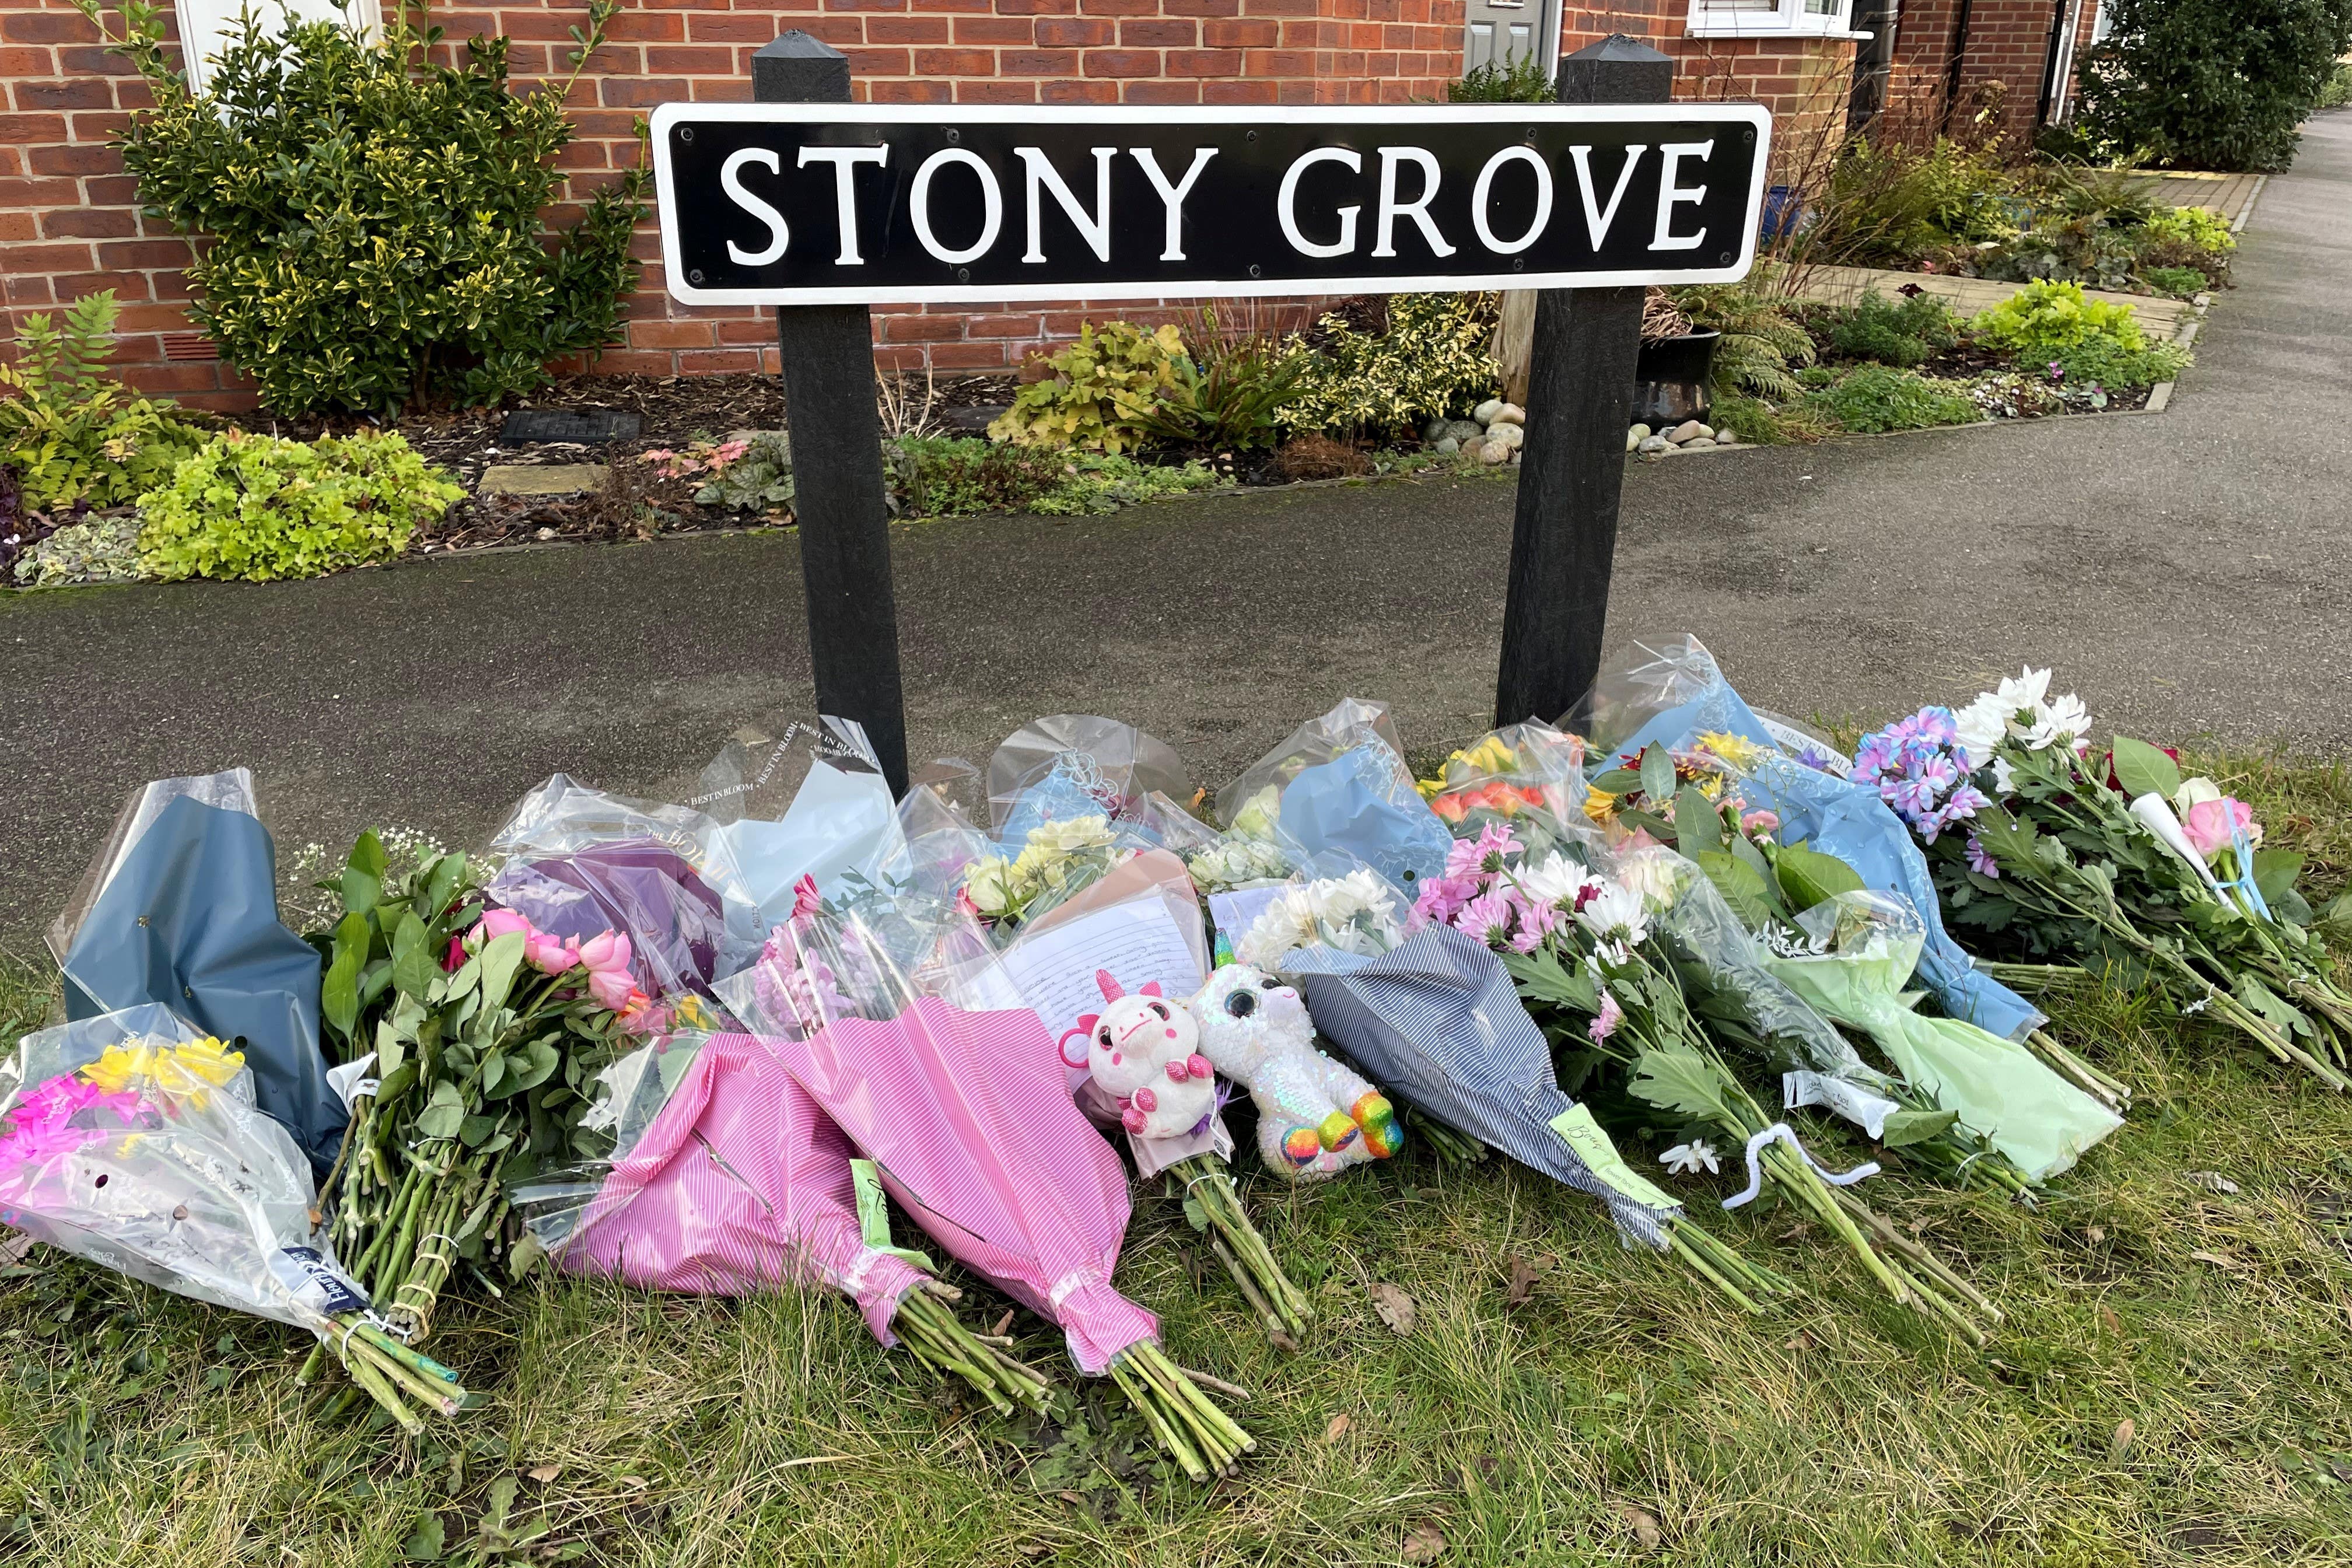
(1787, 19)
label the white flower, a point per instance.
(1354, 914)
(2194, 791)
(2004, 777)
(2026, 691)
(1685, 1158)
(1615, 912)
(2063, 718)
(1979, 729)
(989, 884)
(1653, 876)
(1555, 880)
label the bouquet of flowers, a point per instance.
(2111, 860)
(1433, 1013)
(725, 1178)
(1338, 794)
(1523, 777)
(132, 1139)
(472, 1036)
(1057, 861)
(1583, 947)
(956, 1091)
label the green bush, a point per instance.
(757, 479)
(1900, 332)
(1430, 360)
(2210, 84)
(1102, 390)
(1874, 398)
(950, 476)
(1228, 393)
(2180, 282)
(258, 508)
(1889, 206)
(2194, 228)
(2041, 320)
(70, 433)
(1519, 78)
(2107, 363)
(373, 227)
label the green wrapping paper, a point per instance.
(1864, 948)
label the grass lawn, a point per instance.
(2174, 1381)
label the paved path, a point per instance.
(2191, 572)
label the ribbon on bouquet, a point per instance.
(1781, 1132)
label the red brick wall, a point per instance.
(2005, 52)
(70, 223)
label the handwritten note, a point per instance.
(1139, 942)
(1236, 912)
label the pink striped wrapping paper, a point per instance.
(740, 1184)
(968, 1115)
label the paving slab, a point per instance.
(543, 479)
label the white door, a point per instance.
(205, 25)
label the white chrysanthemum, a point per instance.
(1554, 881)
(1355, 914)
(2026, 691)
(1616, 911)
(1979, 729)
(2063, 718)
(2004, 777)
(1685, 1158)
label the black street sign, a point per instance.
(808, 203)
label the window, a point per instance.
(1770, 18)
(206, 25)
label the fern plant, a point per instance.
(71, 432)
(375, 217)
(1761, 339)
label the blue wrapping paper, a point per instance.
(190, 922)
(1351, 810)
(1437, 1022)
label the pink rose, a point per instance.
(2212, 824)
(497, 923)
(606, 950)
(548, 955)
(610, 988)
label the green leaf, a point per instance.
(501, 956)
(426, 1543)
(494, 1069)
(1657, 776)
(395, 1083)
(1904, 1127)
(1743, 887)
(442, 1119)
(1807, 877)
(2143, 769)
(412, 966)
(442, 881)
(362, 884)
(1699, 826)
(339, 991)
(474, 1129)
(2275, 871)
(1683, 1082)
(524, 1069)
(1541, 978)
(1617, 781)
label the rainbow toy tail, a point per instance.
(1300, 1145)
(1383, 1134)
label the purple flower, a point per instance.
(1486, 918)
(1978, 861)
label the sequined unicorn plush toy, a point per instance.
(1316, 1117)
(1140, 1051)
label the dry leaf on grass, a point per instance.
(2125, 1429)
(1522, 1287)
(2107, 1318)
(1645, 1525)
(1338, 1429)
(1425, 1543)
(543, 1474)
(2217, 1260)
(2211, 1181)
(1395, 1308)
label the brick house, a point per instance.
(70, 222)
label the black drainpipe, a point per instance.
(1952, 71)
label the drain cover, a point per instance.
(587, 427)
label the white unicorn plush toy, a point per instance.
(1316, 1117)
(1140, 1049)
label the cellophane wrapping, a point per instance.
(725, 1178)
(131, 1140)
(1337, 792)
(1671, 690)
(577, 861)
(1076, 764)
(939, 1073)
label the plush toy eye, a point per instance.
(1241, 1004)
(1104, 1036)
(1270, 982)
(1161, 1009)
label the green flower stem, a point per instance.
(1242, 1247)
(1452, 1145)
(1201, 1437)
(2109, 1090)
(934, 1335)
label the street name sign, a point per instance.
(814, 204)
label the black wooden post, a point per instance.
(1580, 406)
(839, 495)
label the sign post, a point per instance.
(823, 208)
(838, 492)
(1572, 465)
